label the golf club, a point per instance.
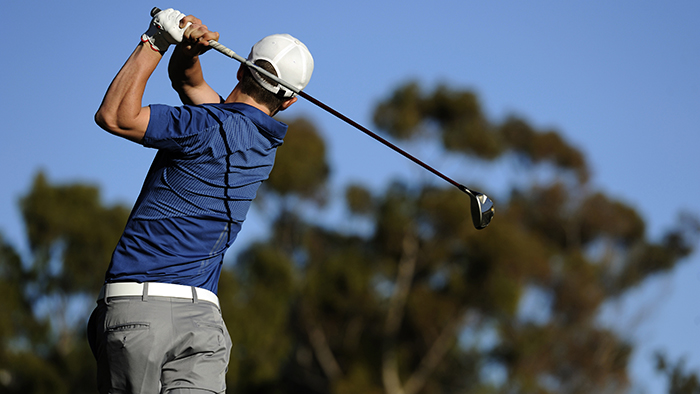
(482, 209)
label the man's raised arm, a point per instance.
(121, 111)
(185, 70)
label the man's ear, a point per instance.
(286, 104)
(239, 74)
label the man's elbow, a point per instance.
(106, 122)
(110, 123)
(133, 130)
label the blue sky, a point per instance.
(619, 79)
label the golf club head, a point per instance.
(482, 208)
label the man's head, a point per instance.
(283, 56)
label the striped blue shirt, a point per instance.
(210, 163)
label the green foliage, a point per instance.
(20, 322)
(402, 113)
(259, 309)
(70, 219)
(71, 236)
(457, 114)
(680, 381)
(457, 119)
(383, 312)
(358, 199)
(301, 166)
(537, 146)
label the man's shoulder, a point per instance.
(264, 122)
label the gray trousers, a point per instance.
(159, 345)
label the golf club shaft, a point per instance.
(481, 206)
(228, 52)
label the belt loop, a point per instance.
(105, 288)
(144, 296)
(194, 295)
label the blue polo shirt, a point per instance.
(210, 163)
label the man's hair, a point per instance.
(250, 86)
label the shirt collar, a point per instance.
(264, 121)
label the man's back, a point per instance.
(211, 161)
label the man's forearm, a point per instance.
(121, 111)
(185, 74)
(184, 69)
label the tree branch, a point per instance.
(395, 314)
(397, 306)
(435, 354)
(320, 346)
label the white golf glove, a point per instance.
(164, 30)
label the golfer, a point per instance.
(157, 327)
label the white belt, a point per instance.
(155, 289)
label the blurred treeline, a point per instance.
(399, 294)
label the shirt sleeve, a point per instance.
(176, 129)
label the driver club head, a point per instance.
(482, 208)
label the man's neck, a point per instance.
(237, 97)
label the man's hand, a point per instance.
(196, 36)
(165, 29)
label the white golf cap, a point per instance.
(290, 58)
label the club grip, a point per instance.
(154, 11)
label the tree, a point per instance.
(398, 295)
(679, 380)
(423, 303)
(71, 236)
